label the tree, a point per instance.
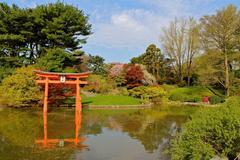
(220, 32)
(181, 43)
(12, 22)
(57, 60)
(28, 32)
(193, 45)
(154, 61)
(208, 68)
(134, 76)
(96, 64)
(173, 44)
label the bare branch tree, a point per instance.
(181, 43)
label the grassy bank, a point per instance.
(99, 99)
(194, 94)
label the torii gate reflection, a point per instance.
(47, 78)
(46, 142)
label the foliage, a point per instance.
(181, 42)
(208, 67)
(96, 64)
(116, 70)
(155, 62)
(8, 65)
(220, 32)
(28, 31)
(57, 60)
(216, 99)
(211, 132)
(20, 89)
(4, 72)
(190, 94)
(147, 93)
(134, 76)
(98, 84)
(148, 78)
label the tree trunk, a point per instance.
(31, 53)
(226, 74)
(188, 77)
(180, 78)
(189, 66)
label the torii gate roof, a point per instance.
(67, 75)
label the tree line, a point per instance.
(188, 44)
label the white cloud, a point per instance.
(129, 29)
(135, 28)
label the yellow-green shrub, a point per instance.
(147, 93)
(20, 89)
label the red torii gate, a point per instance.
(47, 78)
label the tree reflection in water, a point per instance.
(152, 128)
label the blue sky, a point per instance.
(124, 28)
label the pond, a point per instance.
(99, 135)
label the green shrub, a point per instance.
(147, 93)
(20, 89)
(98, 84)
(4, 72)
(216, 99)
(123, 91)
(189, 94)
(8, 65)
(211, 132)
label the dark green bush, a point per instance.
(178, 97)
(4, 72)
(216, 99)
(211, 132)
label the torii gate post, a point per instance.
(47, 78)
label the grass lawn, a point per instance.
(99, 99)
(191, 94)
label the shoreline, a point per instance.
(191, 104)
(141, 106)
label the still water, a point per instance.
(25, 134)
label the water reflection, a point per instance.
(53, 142)
(109, 134)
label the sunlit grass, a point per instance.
(99, 99)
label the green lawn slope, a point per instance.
(99, 99)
